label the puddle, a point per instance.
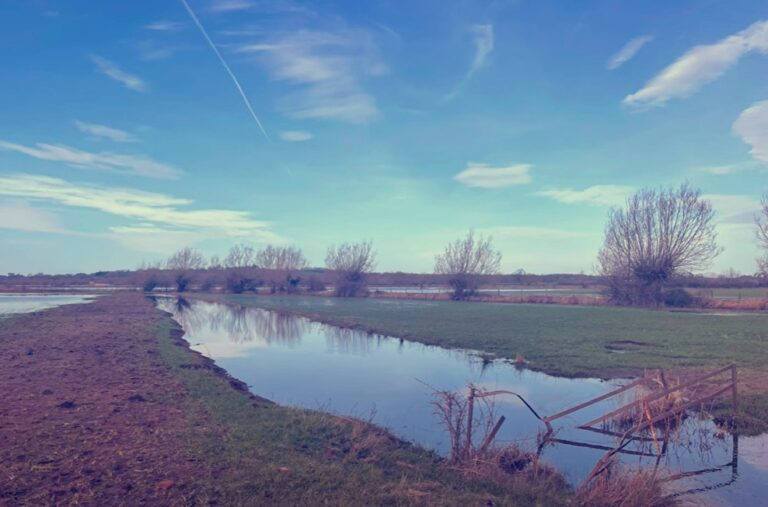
(294, 361)
(27, 303)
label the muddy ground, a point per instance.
(89, 413)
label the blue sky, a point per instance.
(123, 136)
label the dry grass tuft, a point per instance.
(618, 487)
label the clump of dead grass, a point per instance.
(620, 487)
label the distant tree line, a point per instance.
(653, 246)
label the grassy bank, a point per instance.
(262, 453)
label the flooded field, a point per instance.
(294, 361)
(26, 303)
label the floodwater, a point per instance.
(297, 362)
(26, 303)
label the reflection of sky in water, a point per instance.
(294, 361)
(26, 303)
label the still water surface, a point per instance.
(26, 303)
(297, 362)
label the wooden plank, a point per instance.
(600, 447)
(580, 406)
(655, 397)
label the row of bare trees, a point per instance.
(280, 267)
(658, 236)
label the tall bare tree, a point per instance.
(465, 261)
(351, 262)
(762, 236)
(284, 262)
(240, 263)
(182, 264)
(660, 233)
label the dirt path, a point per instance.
(89, 413)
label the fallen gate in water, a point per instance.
(658, 409)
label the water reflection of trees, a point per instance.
(350, 341)
(241, 324)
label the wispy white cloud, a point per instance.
(485, 176)
(483, 40)
(148, 209)
(327, 70)
(165, 26)
(20, 216)
(597, 195)
(153, 239)
(628, 51)
(734, 208)
(726, 169)
(139, 165)
(699, 66)
(752, 127)
(295, 135)
(113, 134)
(231, 5)
(112, 71)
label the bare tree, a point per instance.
(465, 261)
(240, 263)
(762, 236)
(658, 234)
(182, 264)
(214, 262)
(152, 274)
(351, 262)
(283, 262)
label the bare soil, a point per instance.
(89, 412)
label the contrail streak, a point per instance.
(224, 64)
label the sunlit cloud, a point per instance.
(699, 66)
(628, 51)
(112, 71)
(138, 165)
(597, 195)
(327, 71)
(485, 176)
(113, 134)
(752, 127)
(149, 209)
(295, 135)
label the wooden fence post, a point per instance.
(734, 392)
(470, 416)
